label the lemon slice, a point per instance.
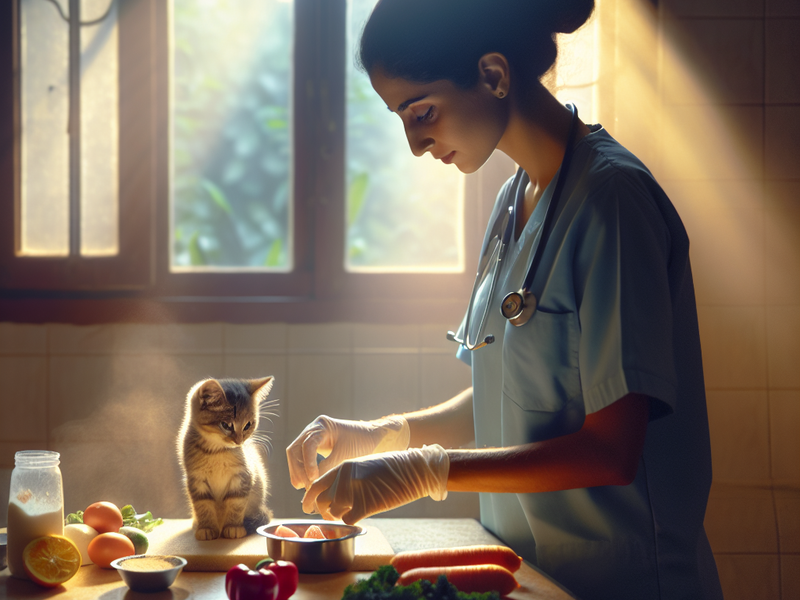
(51, 560)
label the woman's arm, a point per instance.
(605, 451)
(448, 424)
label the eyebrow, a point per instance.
(408, 103)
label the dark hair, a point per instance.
(430, 40)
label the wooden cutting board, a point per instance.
(176, 537)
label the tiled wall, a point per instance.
(731, 163)
(110, 398)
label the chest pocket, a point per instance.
(541, 378)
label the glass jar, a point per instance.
(35, 503)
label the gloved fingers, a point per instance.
(301, 454)
(313, 491)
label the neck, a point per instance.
(536, 135)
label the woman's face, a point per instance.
(456, 126)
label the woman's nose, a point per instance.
(419, 144)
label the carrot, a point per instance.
(469, 578)
(314, 532)
(451, 557)
(284, 531)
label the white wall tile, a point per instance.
(725, 224)
(80, 339)
(317, 337)
(723, 61)
(192, 338)
(741, 520)
(782, 208)
(442, 376)
(748, 576)
(782, 142)
(783, 346)
(318, 384)
(385, 384)
(23, 403)
(369, 336)
(740, 435)
(256, 338)
(784, 427)
(782, 61)
(138, 338)
(787, 505)
(79, 387)
(712, 142)
(734, 346)
(21, 339)
(790, 576)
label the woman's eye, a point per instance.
(429, 114)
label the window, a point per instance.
(222, 151)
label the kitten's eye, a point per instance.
(227, 426)
(246, 427)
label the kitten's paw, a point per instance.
(233, 532)
(206, 533)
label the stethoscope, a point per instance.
(518, 307)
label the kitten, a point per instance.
(218, 448)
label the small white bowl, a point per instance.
(149, 580)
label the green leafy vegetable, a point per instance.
(130, 518)
(381, 586)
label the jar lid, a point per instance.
(37, 458)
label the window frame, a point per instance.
(139, 286)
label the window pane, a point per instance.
(99, 130)
(44, 111)
(403, 213)
(231, 135)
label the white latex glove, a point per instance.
(340, 440)
(361, 487)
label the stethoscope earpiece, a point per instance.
(518, 307)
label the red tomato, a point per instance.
(103, 516)
(108, 547)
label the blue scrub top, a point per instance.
(616, 315)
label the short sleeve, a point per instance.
(622, 292)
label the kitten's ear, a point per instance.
(210, 395)
(260, 387)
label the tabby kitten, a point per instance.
(219, 451)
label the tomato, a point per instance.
(103, 517)
(108, 547)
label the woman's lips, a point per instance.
(449, 158)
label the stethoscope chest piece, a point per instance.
(518, 307)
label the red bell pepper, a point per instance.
(288, 577)
(241, 583)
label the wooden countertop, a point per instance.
(403, 534)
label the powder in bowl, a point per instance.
(149, 573)
(148, 563)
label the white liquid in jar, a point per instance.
(23, 528)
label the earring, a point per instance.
(500, 94)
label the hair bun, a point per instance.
(567, 16)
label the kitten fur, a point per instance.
(218, 449)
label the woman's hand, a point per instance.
(339, 440)
(365, 486)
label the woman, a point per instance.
(589, 416)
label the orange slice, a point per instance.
(314, 532)
(51, 560)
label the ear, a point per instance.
(260, 387)
(209, 395)
(494, 74)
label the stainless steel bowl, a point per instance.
(335, 553)
(150, 580)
